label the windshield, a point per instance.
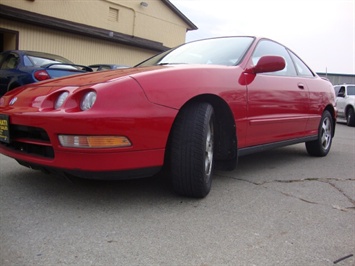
(39, 61)
(42, 62)
(32, 58)
(220, 51)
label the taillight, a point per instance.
(41, 75)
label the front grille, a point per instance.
(30, 140)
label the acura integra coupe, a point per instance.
(185, 111)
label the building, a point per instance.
(93, 31)
(338, 79)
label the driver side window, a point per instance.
(341, 92)
(10, 62)
(267, 47)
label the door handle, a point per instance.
(300, 86)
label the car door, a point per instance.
(277, 102)
(316, 91)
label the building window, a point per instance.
(113, 14)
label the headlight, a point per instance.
(61, 99)
(88, 100)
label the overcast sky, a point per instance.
(321, 32)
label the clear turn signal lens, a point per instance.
(71, 141)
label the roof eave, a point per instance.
(20, 15)
(191, 25)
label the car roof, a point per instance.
(40, 54)
(345, 85)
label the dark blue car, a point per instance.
(19, 67)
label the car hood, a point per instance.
(101, 77)
(93, 78)
(75, 81)
(154, 80)
(89, 79)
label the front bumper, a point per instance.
(34, 143)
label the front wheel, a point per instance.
(191, 150)
(321, 146)
(350, 117)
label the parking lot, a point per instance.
(280, 207)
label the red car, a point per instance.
(187, 110)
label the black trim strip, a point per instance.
(104, 175)
(264, 147)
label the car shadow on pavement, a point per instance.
(40, 187)
(156, 187)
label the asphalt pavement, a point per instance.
(279, 207)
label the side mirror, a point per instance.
(268, 63)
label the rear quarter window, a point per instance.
(27, 61)
(302, 69)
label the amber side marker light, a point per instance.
(93, 142)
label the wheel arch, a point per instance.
(347, 108)
(225, 131)
(349, 114)
(330, 108)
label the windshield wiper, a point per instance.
(164, 64)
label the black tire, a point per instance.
(321, 146)
(191, 150)
(350, 117)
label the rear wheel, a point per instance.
(321, 146)
(350, 117)
(191, 150)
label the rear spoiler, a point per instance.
(78, 67)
